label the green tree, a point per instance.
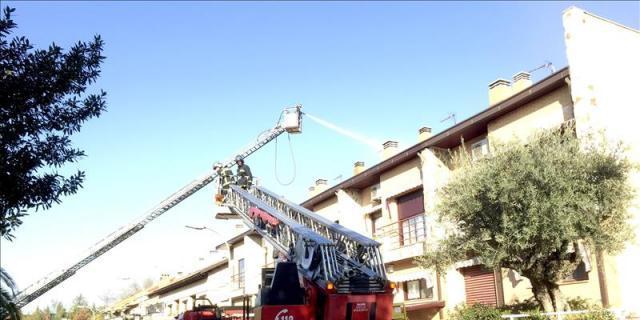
(526, 205)
(80, 309)
(42, 103)
(8, 288)
(59, 310)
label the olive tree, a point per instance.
(528, 204)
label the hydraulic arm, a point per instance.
(290, 121)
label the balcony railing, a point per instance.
(237, 280)
(402, 233)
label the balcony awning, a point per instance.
(401, 276)
(424, 305)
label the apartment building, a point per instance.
(393, 201)
(232, 273)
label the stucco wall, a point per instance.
(604, 66)
(546, 112)
(328, 208)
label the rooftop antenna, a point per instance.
(547, 64)
(450, 116)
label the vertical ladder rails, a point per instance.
(351, 261)
(358, 248)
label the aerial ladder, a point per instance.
(343, 272)
(290, 121)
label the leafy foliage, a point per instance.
(595, 313)
(8, 290)
(475, 312)
(527, 206)
(42, 103)
(578, 303)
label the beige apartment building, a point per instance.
(394, 200)
(230, 274)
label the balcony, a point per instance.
(403, 239)
(237, 281)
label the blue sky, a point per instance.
(191, 83)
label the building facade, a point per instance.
(394, 200)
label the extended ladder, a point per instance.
(325, 252)
(290, 121)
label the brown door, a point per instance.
(480, 285)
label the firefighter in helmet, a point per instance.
(244, 178)
(225, 178)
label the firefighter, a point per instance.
(225, 178)
(243, 176)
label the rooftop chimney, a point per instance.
(321, 185)
(521, 81)
(424, 133)
(312, 191)
(358, 167)
(499, 90)
(390, 148)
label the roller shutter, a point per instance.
(480, 285)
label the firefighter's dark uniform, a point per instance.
(226, 179)
(244, 178)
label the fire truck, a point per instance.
(327, 272)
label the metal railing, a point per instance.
(238, 280)
(402, 233)
(559, 315)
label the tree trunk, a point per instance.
(541, 294)
(556, 295)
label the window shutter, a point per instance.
(480, 285)
(410, 205)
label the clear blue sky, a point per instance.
(190, 83)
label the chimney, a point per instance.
(390, 148)
(424, 133)
(321, 185)
(312, 191)
(521, 81)
(358, 167)
(499, 90)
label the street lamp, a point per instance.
(202, 228)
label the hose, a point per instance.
(293, 160)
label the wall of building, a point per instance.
(604, 66)
(328, 209)
(546, 112)
(180, 300)
(401, 179)
(217, 283)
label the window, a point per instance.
(480, 149)
(411, 218)
(374, 218)
(579, 274)
(413, 230)
(417, 289)
(241, 273)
